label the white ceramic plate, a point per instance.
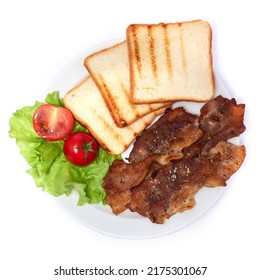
(129, 225)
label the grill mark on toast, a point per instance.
(137, 114)
(182, 51)
(117, 136)
(152, 52)
(114, 110)
(136, 49)
(133, 107)
(167, 51)
(124, 89)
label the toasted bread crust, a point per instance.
(99, 81)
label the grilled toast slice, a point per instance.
(89, 108)
(170, 62)
(109, 68)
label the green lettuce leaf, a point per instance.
(49, 167)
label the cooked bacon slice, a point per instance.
(225, 160)
(121, 178)
(124, 176)
(167, 137)
(118, 200)
(221, 119)
(175, 185)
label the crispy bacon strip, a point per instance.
(121, 178)
(176, 157)
(172, 190)
(167, 137)
(221, 119)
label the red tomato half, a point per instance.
(53, 122)
(80, 148)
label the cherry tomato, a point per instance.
(52, 122)
(80, 148)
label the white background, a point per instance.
(38, 38)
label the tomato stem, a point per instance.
(86, 147)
